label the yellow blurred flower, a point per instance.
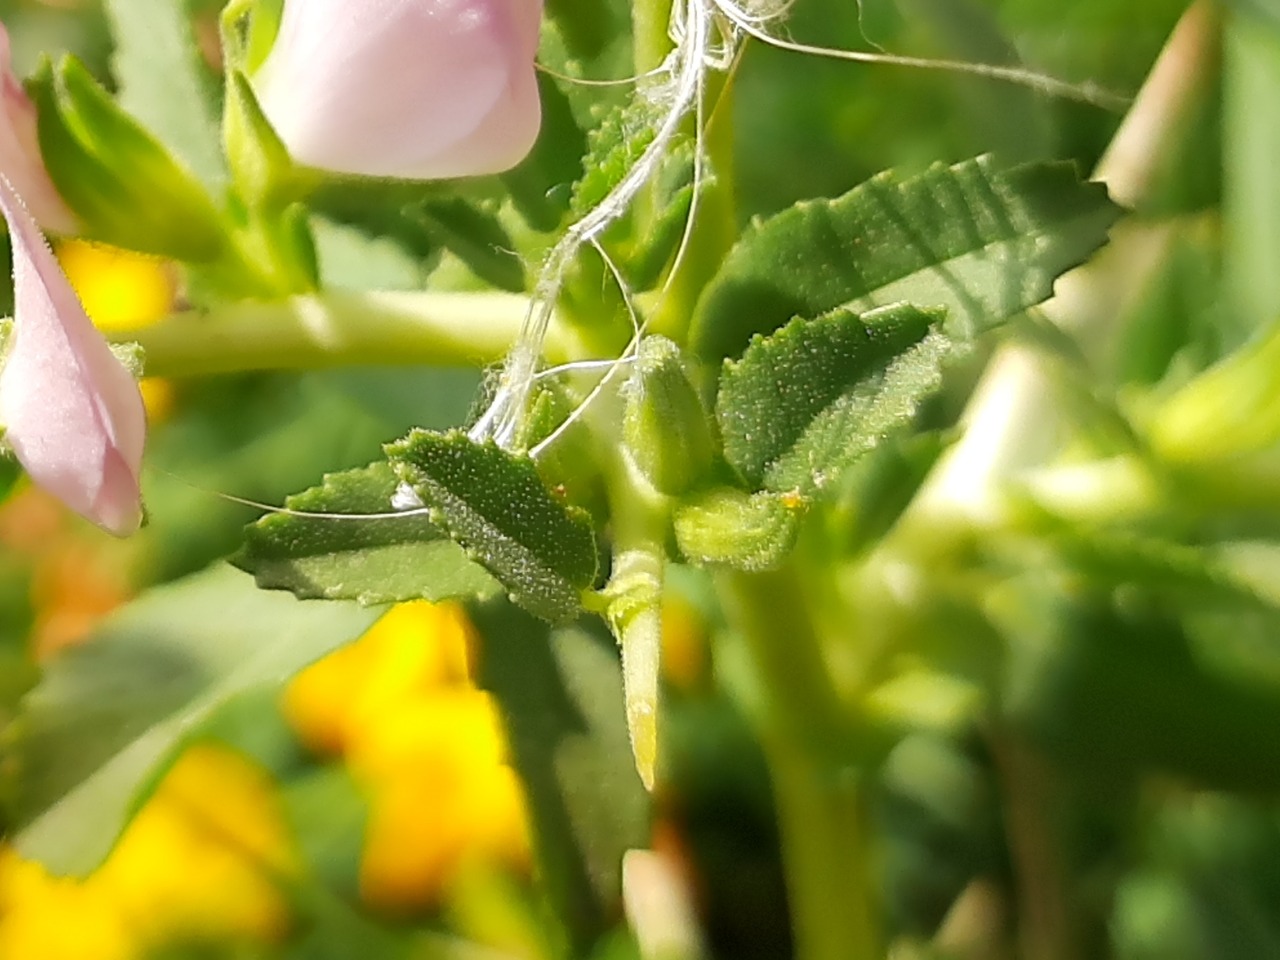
(202, 861)
(123, 290)
(412, 650)
(400, 707)
(120, 289)
(685, 658)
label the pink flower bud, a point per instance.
(415, 89)
(72, 412)
(20, 158)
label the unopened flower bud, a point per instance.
(72, 413)
(665, 425)
(20, 158)
(413, 89)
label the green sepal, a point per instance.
(265, 175)
(804, 404)
(264, 26)
(665, 426)
(295, 248)
(496, 506)
(732, 528)
(121, 182)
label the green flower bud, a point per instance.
(665, 426)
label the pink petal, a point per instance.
(419, 89)
(72, 412)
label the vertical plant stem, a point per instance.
(1251, 143)
(650, 43)
(807, 741)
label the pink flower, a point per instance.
(415, 89)
(20, 158)
(72, 412)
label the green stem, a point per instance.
(1251, 141)
(338, 328)
(808, 742)
(650, 42)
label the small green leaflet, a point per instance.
(496, 506)
(746, 531)
(805, 403)
(374, 556)
(613, 149)
(981, 242)
(119, 179)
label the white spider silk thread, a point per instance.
(686, 64)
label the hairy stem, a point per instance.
(337, 328)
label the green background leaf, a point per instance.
(560, 693)
(92, 733)
(164, 82)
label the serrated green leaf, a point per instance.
(805, 403)
(672, 196)
(746, 531)
(497, 507)
(375, 557)
(91, 734)
(981, 242)
(164, 83)
(560, 693)
(380, 210)
(612, 150)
